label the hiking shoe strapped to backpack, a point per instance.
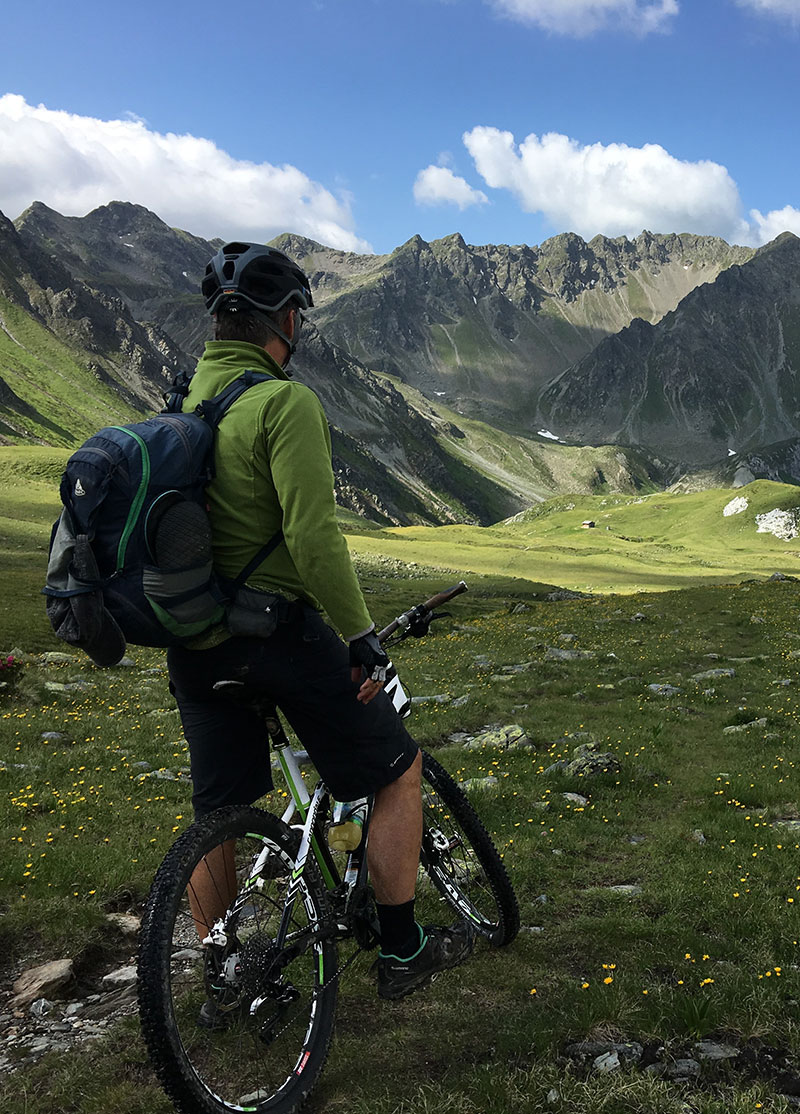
(439, 949)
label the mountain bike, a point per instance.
(269, 965)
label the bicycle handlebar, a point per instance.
(403, 622)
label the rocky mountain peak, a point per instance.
(414, 247)
(300, 246)
(454, 242)
(787, 242)
(124, 217)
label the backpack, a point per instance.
(130, 556)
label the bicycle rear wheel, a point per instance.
(461, 861)
(231, 1059)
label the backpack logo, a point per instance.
(79, 488)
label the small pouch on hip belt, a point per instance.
(254, 614)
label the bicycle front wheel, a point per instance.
(461, 861)
(239, 1025)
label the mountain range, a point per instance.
(462, 383)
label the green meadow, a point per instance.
(658, 898)
(638, 543)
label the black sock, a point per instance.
(400, 934)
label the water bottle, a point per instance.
(345, 832)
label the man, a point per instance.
(274, 482)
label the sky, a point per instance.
(360, 123)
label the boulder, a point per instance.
(41, 982)
(711, 1050)
(503, 738)
(736, 728)
(556, 653)
(588, 761)
(128, 924)
(713, 674)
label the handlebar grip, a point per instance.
(424, 608)
(443, 597)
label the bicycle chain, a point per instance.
(341, 970)
(337, 974)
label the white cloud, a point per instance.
(614, 189)
(438, 185)
(75, 163)
(584, 17)
(787, 9)
(768, 226)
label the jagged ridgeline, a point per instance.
(447, 371)
(718, 374)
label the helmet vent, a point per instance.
(254, 275)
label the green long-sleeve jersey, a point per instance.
(273, 472)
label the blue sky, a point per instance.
(363, 122)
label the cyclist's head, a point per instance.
(252, 290)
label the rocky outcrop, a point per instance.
(718, 374)
(487, 327)
(96, 325)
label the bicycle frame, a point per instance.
(309, 809)
(313, 808)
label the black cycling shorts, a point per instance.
(304, 668)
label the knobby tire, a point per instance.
(269, 1062)
(461, 860)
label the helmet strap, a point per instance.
(291, 344)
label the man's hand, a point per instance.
(367, 654)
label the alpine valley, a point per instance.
(462, 383)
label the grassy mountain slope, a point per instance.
(534, 468)
(84, 335)
(56, 398)
(656, 542)
(29, 479)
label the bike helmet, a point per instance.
(243, 275)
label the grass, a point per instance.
(705, 946)
(67, 401)
(655, 542)
(708, 947)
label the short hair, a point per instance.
(249, 325)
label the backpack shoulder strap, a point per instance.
(214, 409)
(173, 398)
(259, 559)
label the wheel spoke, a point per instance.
(235, 1022)
(461, 861)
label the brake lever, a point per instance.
(418, 627)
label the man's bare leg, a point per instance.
(212, 887)
(395, 835)
(409, 955)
